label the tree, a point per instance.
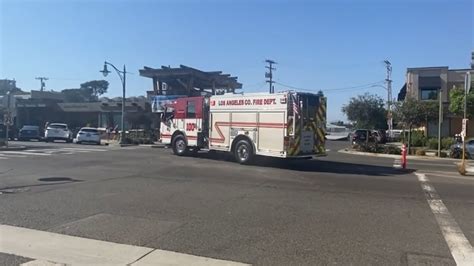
(78, 95)
(413, 113)
(98, 87)
(366, 111)
(456, 103)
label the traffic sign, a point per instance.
(467, 82)
(464, 127)
(7, 119)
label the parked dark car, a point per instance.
(375, 136)
(380, 136)
(29, 133)
(360, 135)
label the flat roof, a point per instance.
(201, 79)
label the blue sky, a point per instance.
(330, 45)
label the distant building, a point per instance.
(7, 85)
(427, 83)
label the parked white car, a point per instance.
(88, 134)
(57, 131)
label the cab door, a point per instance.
(193, 120)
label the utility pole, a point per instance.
(388, 80)
(440, 120)
(42, 80)
(269, 74)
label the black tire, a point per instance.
(243, 152)
(179, 145)
(78, 142)
(69, 141)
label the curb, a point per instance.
(14, 148)
(395, 156)
(127, 145)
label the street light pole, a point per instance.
(8, 118)
(122, 75)
(123, 105)
(440, 120)
(467, 87)
(389, 96)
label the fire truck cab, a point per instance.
(285, 125)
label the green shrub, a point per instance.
(420, 152)
(368, 148)
(418, 139)
(446, 143)
(391, 149)
(442, 154)
(433, 144)
(412, 151)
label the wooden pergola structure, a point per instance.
(189, 81)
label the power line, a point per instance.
(362, 86)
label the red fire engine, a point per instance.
(286, 125)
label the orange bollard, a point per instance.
(404, 156)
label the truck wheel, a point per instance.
(243, 152)
(179, 145)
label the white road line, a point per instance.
(82, 149)
(58, 248)
(41, 263)
(25, 153)
(397, 163)
(454, 175)
(12, 156)
(163, 257)
(461, 249)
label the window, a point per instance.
(89, 130)
(58, 126)
(191, 110)
(429, 93)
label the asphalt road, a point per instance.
(340, 209)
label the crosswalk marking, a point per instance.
(82, 149)
(4, 155)
(25, 153)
